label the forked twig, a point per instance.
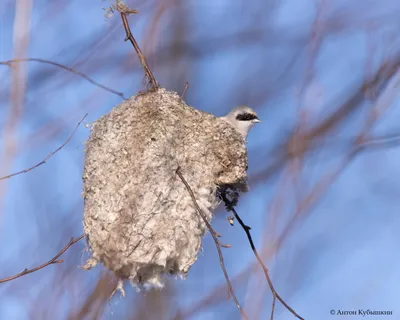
(72, 70)
(48, 157)
(54, 260)
(247, 229)
(124, 11)
(217, 242)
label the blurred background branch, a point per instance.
(323, 166)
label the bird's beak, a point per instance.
(256, 120)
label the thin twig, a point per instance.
(247, 230)
(54, 260)
(124, 11)
(48, 157)
(273, 305)
(217, 243)
(72, 70)
(184, 89)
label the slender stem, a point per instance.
(53, 260)
(139, 53)
(247, 229)
(217, 243)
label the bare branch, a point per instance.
(94, 303)
(124, 11)
(217, 242)
(19, 81)
(247, 229)
(185, 89)
(48, 157)
(273, 305)
(72, 70)
(54, 260)
(380, 142)
(214, 297)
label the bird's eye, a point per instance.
(246, 116)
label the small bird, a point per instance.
(243, 119)
(140, 218)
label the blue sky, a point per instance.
(341, 254)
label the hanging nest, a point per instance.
(139, 218)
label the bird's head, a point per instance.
(243, 119)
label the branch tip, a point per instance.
(124, 11)
(54, 260)
(230, 207)
(214, 234)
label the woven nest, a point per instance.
(139, 218)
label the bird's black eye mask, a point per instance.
(246, 116)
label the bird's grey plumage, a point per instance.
(139, 219)
(242, 118)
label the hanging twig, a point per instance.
(72, 70)
(273, 306)
(54, 260)
(218, 244)
(229, 207)
(48, 157)
(124, 11)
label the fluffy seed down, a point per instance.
(139, 219)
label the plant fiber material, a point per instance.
(139, 218)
